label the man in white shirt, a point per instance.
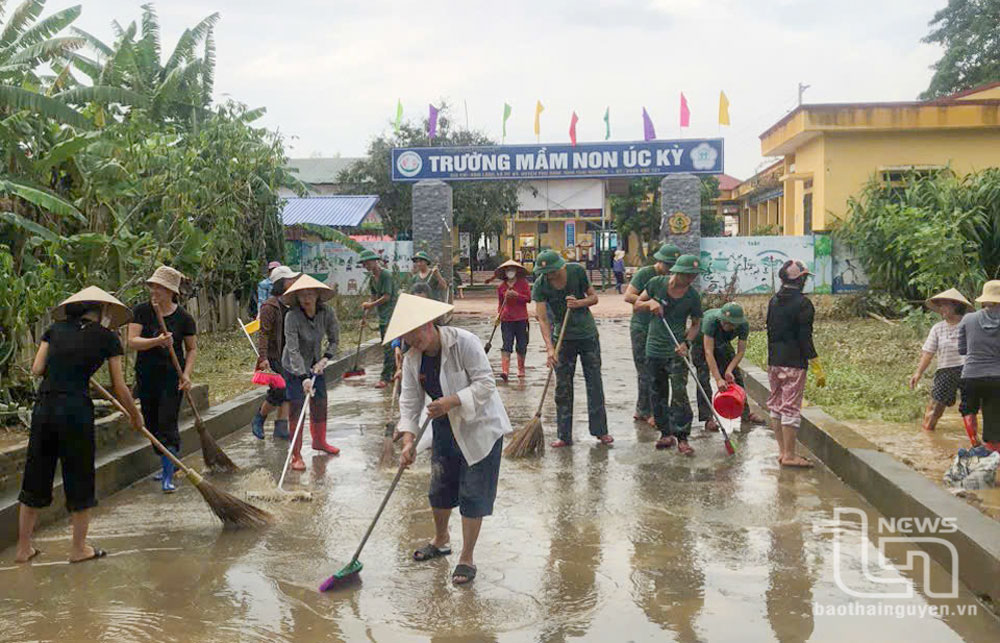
(469, 422)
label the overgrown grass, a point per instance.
(868, 365)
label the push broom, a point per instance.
(730, 449)
(531, 438)
(496, 323)
(388, 452)
(357, 371)
(232, 511)
(351, 570)
(212, 453)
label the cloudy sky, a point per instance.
(329, 71)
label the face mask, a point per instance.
(511, 274)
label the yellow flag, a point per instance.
(538, 113)
(723, 109)
(252, 327)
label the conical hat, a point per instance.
(413, 312)
(951, 295)
(120, 314)
(502, 268)
(305, 282)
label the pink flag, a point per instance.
(685, 112)
(648, 132)
(572, 129)
(432, 122)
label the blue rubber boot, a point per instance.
(167, 483)
(281, 430)
(257, 426)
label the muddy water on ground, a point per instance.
(588, 543)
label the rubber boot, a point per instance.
(504, 366)
(257, 426)
(520, 366)
(319, 443)
(972, 428)
(281, 430)
(167, 483)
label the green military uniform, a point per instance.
(667, 370)
(580, 339)
(639, 328)
(724, 352)
(431, 280)
(382, 285)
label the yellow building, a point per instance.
(828, 153)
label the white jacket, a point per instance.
(466, 372)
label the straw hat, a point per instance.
(168, 278)
(501, 270)
(991, 293)
(949, 295)
(305, 282)
(619, 254)
(120, 314)
(413, 312)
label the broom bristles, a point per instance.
(530, 440)
(215, 458)
(232, 511)
(388, 456)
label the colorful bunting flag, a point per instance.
(607, 123)
(432, 122)
(572, 129)
(723, 109)
(685, 112)
(399, 115)
(648, 132)
(538, 120)
(506, 115)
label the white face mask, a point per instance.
(511, 274)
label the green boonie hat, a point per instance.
(687, 265)
(548, 261)
(368, 255)
(667, 253)
(733, 313)
(422, 255)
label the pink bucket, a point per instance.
(729, 403)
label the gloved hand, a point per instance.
(818, 373)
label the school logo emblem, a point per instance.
(679, 223)
(409, 164)
(703, 157)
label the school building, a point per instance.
(828, 152)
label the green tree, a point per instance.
(638, 212)
(969, 31)
(712, 225)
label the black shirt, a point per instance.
(154, 370)
(790, 329)
(430, 377)
(76, 351)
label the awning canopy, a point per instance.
(338, 211)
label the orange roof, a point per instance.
(727, 182)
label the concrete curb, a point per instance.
(900, 492)
(132, 458)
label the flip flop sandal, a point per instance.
(98, 553)
(798, 463)
(34, 554)
(430, 552)
(468, 572)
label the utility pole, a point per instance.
(802, 89)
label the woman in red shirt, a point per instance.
(513, 294)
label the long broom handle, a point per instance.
(497, 322)
(194, 476)
(361, 331)
(177, 367)
(552, 369)
(249, 339)
(298, 429)
(388, 494)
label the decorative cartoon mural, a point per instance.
(753, 262)
(336, 265)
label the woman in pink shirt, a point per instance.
(513, 295)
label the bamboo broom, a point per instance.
(232, 511)
(531, 439)
(212, 453)
(496, 323)
(388, 456)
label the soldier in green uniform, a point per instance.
(715, 359)
(639, 325)
(560, 285)
(664, 358)
(384, 295)
(423, 273)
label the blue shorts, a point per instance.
(455, 484)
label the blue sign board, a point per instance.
(587, 160)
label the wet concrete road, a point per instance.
(588, 543)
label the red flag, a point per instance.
(685, 112)
(572, 129)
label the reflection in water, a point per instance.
(789, 592)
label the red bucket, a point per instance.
(729, 403)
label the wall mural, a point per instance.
(337, 266)
(753, 262)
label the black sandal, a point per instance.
(468, 572)
(429, 552)
(98, 553)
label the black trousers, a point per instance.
(62, 430)
(983, 393)
(515, 331)
(160, 409)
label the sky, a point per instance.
(330, 72)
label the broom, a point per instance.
(730, 448)
(232, 511)
(350, 571)
(531, 438)
(388, 451)
(489, 344)
(210, 450)
(358, 371)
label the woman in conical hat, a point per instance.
(979, 341)
(942, 341)
(158, 386)
(62, 421)
(304, 359)
(469, 422)
(513, 295)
